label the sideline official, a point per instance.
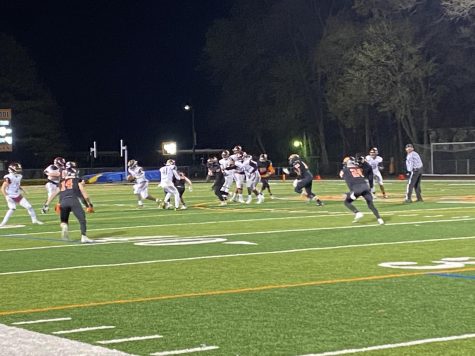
(414, 168)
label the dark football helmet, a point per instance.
(59, 162)
(71, 168)
(225, 154)
(15, 168)
(349, 161)
(237, 149)
(292, 158)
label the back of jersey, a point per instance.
(353, 176)
(69, 188)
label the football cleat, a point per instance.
(249, 199)
(319, 202)
(380, 221)
(358, 216)
(86, 240)
(44, 209)
(64, 232)
(37, 222)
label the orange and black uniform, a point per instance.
(69, 196)
(265, 170)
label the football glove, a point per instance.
(190, 188)
(90, 209)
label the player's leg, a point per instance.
(26, 204)
(53, 191)
(379, 179)
(369, 201)
(137, 192)
(417, 187)
(409, 187)
(146, 195)
(348, 202)
(64, 212)
(78, 212)
(11, 209)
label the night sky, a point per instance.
(120, 69)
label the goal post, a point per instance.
(452, 158)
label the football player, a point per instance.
(266, 170)
(251, 171)
(11, 190)
(167, 173)
(53, 175)
(137, 175)
(356, 182)
(71, 191)
(180, 186)
(304, 177)
(367, 170)
(228, 174)
(239, 176)
(219, 181)
(376, 163)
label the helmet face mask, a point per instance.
(263, 157)
(132, 163)
(170, 162)
(349, 162)
(373, 152)
(15, 168)
(225, 154)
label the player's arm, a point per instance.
(87, 200)
(4, 188)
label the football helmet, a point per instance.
(170, 162)
(71, 168)
(360, 160)
(263, 157)
(225, 154)
(59, 162)
(132, 163)
(292, 158)
(15, 168)
(373, 152)
(349, 161)
(237, 149)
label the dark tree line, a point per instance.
(342, 75)
(37, 130)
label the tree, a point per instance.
(36, 115)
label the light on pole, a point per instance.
(189, 108)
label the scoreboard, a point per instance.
(6, 133)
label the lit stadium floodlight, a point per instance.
(297, 143)
(169, 148)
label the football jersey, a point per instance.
(138, 173)
(238, 161)
(265, 168)
(166, 175)
(225, 163)
(353, 177)
(374, 162)
(14, 182)
(300, 167)
(249, 167)
(53, 173)
(69, 188)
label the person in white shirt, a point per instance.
(167, 173)
(239, 176)
(414, 167)
(11, 190)
(228, 174)
(53, 174)
(253, 178)
(137, 175)
(376, 163)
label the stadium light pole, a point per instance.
(189, 108)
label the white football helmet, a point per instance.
(225, 154)
(170, 162)
(132, 163)
(15, 168)
(263, 157)
(59, 162)
(237, 149)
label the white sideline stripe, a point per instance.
(15, 341)
(80, 330)
(185, 351)
(319, 215)
(242, 233)
(237, 255)
(393, 346)
(39, 321)
(135, 338)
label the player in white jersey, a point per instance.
(239, 176)
(167, 173)
(53, 175)
(253, 178)
(137, 175)
(228, 174)
(376, 163)
(11, 190)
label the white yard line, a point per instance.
(80, 330)
(185, 351)
(40, 321)
(393, 346)
(134, 338)
(353, 226)
(20, 342)
(235, 255)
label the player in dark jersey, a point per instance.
(219, 180)
(304, 177)
(71, 191)
(180, 186)
(356, 182)
(367, 171)
(265, 170)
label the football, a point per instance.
(130, 178)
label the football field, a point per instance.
(281, 278)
